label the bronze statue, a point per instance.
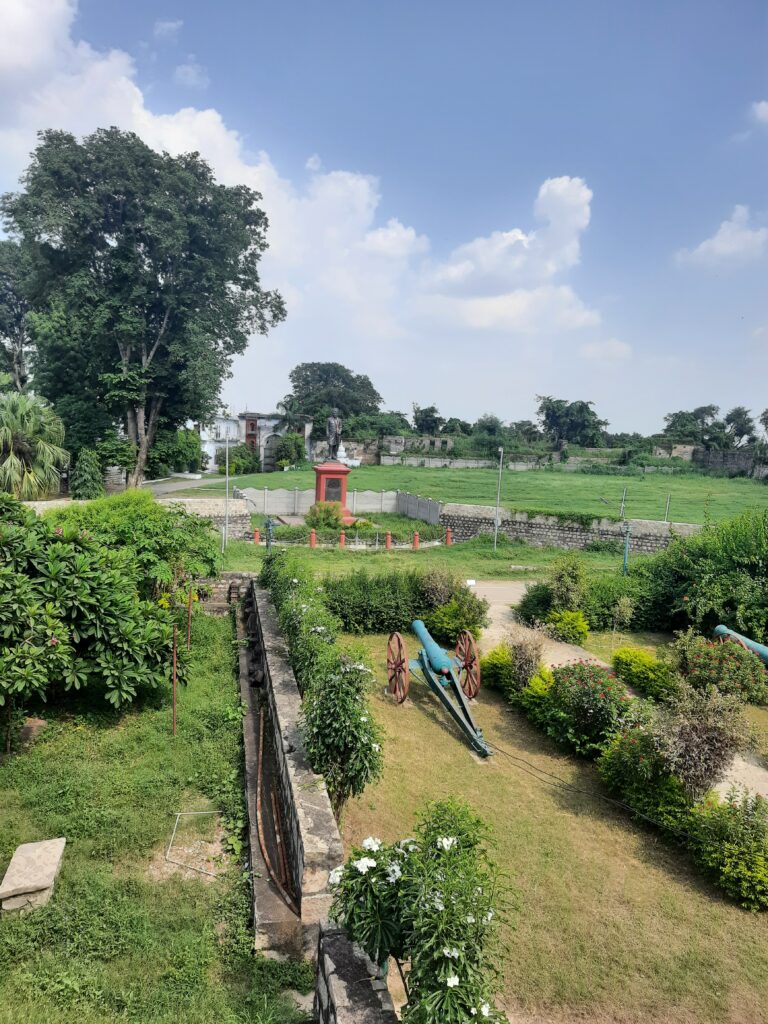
(333, 433)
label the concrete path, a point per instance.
(501, 595)
(162, 487)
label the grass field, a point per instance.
(693, 497)
(613, 925)
(124, 938)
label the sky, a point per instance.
(474, 204)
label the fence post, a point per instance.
(415, 540)
(354, 501)
(265, 500)
(295, 501)
(312, 538)
(388, 540)
(448, 537)
(342, 539)
(256, 537)
(381, 504)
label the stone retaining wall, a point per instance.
(345, 991)
(213, 509)
(646, 536)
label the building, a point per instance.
(222, 432)
(258, 430)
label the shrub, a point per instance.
(242, 460)
(570, 627)
(290, 449)
(511, 665)
(166, 545)
(342, 740)
(581, 708)
(496, 668)
(71, 615)
(604, 602)
(86, 480)
(730, 841)
(325, 515)
(567, 581)
(536, 603)
(434, 900)
(731, 668)
(380, 603)
(465, 610)
(643, 672)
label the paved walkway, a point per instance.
(162, 487)
(748, 771)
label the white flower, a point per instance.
(446, 842)
(363, 718)
(294, 580)
(364, 864)
(439, 905)
(376, 747)
(473, 1011)
(335, 876)
(485, 1009)
(489, 916)
(453, 954)
(470, 918)
(452, 980)
(372, 843)
(394, 871)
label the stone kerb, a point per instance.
(345, 992)
(313, 839)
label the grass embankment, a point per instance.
(693, 497)
(613, 925)
(126, 937)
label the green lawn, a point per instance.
(692, 496)
(123, 939)
(613, 925)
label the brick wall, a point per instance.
(646, 536)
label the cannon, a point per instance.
(453, 678)
(723, 633)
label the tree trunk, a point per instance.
(142, 430)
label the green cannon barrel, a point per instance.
(438, 659)
(759, 649)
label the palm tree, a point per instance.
(291, 417)
(31, 452)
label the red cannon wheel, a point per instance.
(468, 664)
(398, 672)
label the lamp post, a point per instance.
(225, 535)
(498, 501)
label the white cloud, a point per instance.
(609, 351)
(734, 241)
(359, 290)
(191, 75)
(759, 111)
(314, 163)
(167, 30)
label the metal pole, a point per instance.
(175, 631)
(625, 568)
(189, 619)
(498, 501)
(226, 498)
(623, 500)
(666, 510)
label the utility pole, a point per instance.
(498, 501)
(225, 535)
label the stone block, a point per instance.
(34, 866)
(29, 900)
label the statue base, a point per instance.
(331, 485)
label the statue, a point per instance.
(333, 433)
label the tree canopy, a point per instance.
(320, 387)
(575, 422)
(702, 426)
(143, 277)
(427, 420)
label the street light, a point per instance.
(225, 535)
(498, 501)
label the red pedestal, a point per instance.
(331, 485)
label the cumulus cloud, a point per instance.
(759, 111)
(167, 30)
(359, 289)
(736, 240)
(609, 351)
(191, 75)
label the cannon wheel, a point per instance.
(468, 664)
(398, 672)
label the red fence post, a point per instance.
(312, 538)
(255, 536)
(342, 539)
(416, 540)
(388, 540)
(448, 537)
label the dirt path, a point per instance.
(502, 594)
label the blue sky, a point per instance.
(401, 148)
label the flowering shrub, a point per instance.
(342, 740)
(730, 667)
(433, 900)
(643, 672)
(583, 705)
(570, 627)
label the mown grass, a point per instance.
(473, 559)
(115, 944)
(613, 925)
(693, 498)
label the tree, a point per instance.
(145, 267)
(457, 427)
(526, 431)
(87, 480)
(574, 422)
(291, 417)
(378, 424)
(427, 420)
(15, 342)
(320, 387)
(740, 427)
(32, 455)
(695, 426)
(490, 425)
(290, 449)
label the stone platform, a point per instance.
(31, 875)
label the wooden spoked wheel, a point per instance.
(398, 672)
(468, 664)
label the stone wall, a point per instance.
(213, 509)
(345, 991)
(646, 536)
(741, 461)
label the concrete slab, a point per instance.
(34, 866)
(29, 901)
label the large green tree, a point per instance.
(14, 331)
(427, 419)
(143, 273)
(575, 422)
(319, 387)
